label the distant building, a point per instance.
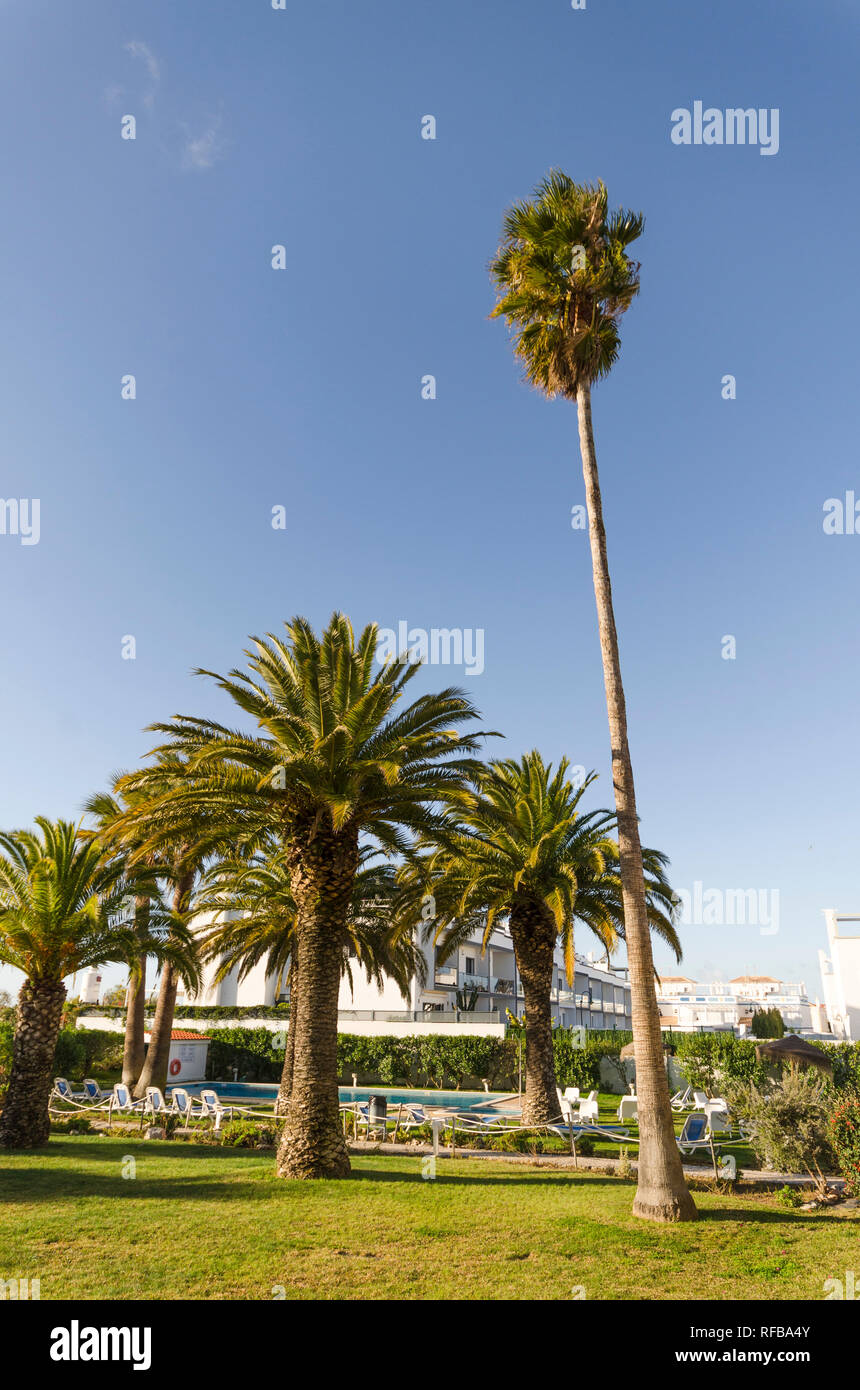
(689, 1006)
(470, 992)
(840, 974)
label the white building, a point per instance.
(689, 1006)
(840, 974)
(470, 992)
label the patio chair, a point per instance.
(63, 1090)
(700, 1100)
(93, 1091)
(181, 1104)
(588, 1109)
(210, 1105)
(628, 1109)
(694, 1134)
(718, 1120)
(155, 1102)
(681, 1099)
(123, 1101)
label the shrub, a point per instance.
(789, 1196)
(248, 1133)
(788, 1121)
(75, 1124)
(845, 1137)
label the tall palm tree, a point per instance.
(524, 850)
(58, 901)
(256, 919)
(335, 763)
(564, 279)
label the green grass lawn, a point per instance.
(203, 1222)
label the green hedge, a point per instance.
(433, 1060)
(279, 1011)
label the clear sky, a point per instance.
(301, 388)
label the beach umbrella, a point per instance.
(794, 1049)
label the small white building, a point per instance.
(840, 974)
(690, 1006)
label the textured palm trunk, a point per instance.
(134, 1047)
(322, 871)
(285, 1090)
(533, 933)
(24, 1119)
(661, 1193)
(154, 1069)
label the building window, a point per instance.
(470, 965)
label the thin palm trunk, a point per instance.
(134, 1047)
(533, 933)
(285, 1089)
(661, 1194)
(24, 1119)
(154, 1069)
(323, 868)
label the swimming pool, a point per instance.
(259, 1093)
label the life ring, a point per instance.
(175, 1067)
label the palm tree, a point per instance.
(59, 897)
(177, 861)
(335, 763)
(564, 279)
(523, 850)
(256, 911)
(107, 811)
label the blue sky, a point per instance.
(301, 388)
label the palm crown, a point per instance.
(260, 927)
(58, 900)
(521, 836)
(333, 748)
(564, 280)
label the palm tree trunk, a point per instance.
(661, 1194)
(323, 867)
(154, 1069)
(24, 1119)
(285, 1090)
(533, 933)
(134, 1047)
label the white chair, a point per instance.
(700, 1100)
(571, 1093)
(693, 1136)
(211, 1106)
(155, 1102)
(718, 1118)
(680, 1100)
(181, 1104)
(122, 1100)
(588, 1108)
(64, 1090)
(93, 1091)
(628, 1109)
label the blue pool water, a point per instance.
(259, 1093)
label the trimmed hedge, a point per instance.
(432, 1061)
(279, 1011)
